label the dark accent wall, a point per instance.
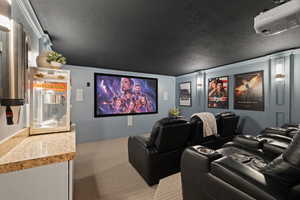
(282, 98)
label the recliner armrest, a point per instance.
(199, 160)
(142, 140)
(247, 141)
(247, 179)
(277, 137)
(140, 156)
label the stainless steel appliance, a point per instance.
(14, 57)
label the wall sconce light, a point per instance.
(280, 69)
(5, 15)
(199, 82)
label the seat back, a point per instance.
(227, 124)
(292, 155)
(161, 123)
(196, 136)
(286, 167)
(173, 137)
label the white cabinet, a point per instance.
(49, 182)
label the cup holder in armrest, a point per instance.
(204, 150)
(209, 153)
(241, 158)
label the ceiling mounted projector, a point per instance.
(279, 19)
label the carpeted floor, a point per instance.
(169, 188)
(102, 172)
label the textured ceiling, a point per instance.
(169, 37)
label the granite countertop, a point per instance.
(34, 151)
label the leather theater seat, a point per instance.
(227, 123)
(272, 142)
(243, 170)
(158, 155)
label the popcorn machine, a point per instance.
(49, 100)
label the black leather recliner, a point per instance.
(227, 123)
(158, 156)
(241, 172)
(273, 141)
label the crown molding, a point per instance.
(265, 58)
(32, 20)
(296, 51)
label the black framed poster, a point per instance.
(185, 94)
(249, 91)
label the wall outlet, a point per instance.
(130, 121)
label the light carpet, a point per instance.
(169, 188)
(102, 172)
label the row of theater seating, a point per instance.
(265, 167)
(158, 155)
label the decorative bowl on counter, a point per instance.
(41, 60)
(50, 59)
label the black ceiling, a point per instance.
(169, 37)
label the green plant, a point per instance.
(56, 57)
(174, 112)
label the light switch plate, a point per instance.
(166, 96)
(79, 95)
(130, 121)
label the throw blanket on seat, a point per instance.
(209, 123)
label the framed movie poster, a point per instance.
(185, 94)
(218, 92)
(249, 91)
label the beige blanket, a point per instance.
(209, 123)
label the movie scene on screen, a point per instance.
(124, 95)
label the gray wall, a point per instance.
(295, 80)
(277, 94)
(91, 129)
(196, 101)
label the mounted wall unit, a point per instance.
(5, 15)
(13, 66)
(278, 19)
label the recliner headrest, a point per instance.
(161, 123)
(226, 114)
(170, 121)
(196, 119)
(286, 126)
